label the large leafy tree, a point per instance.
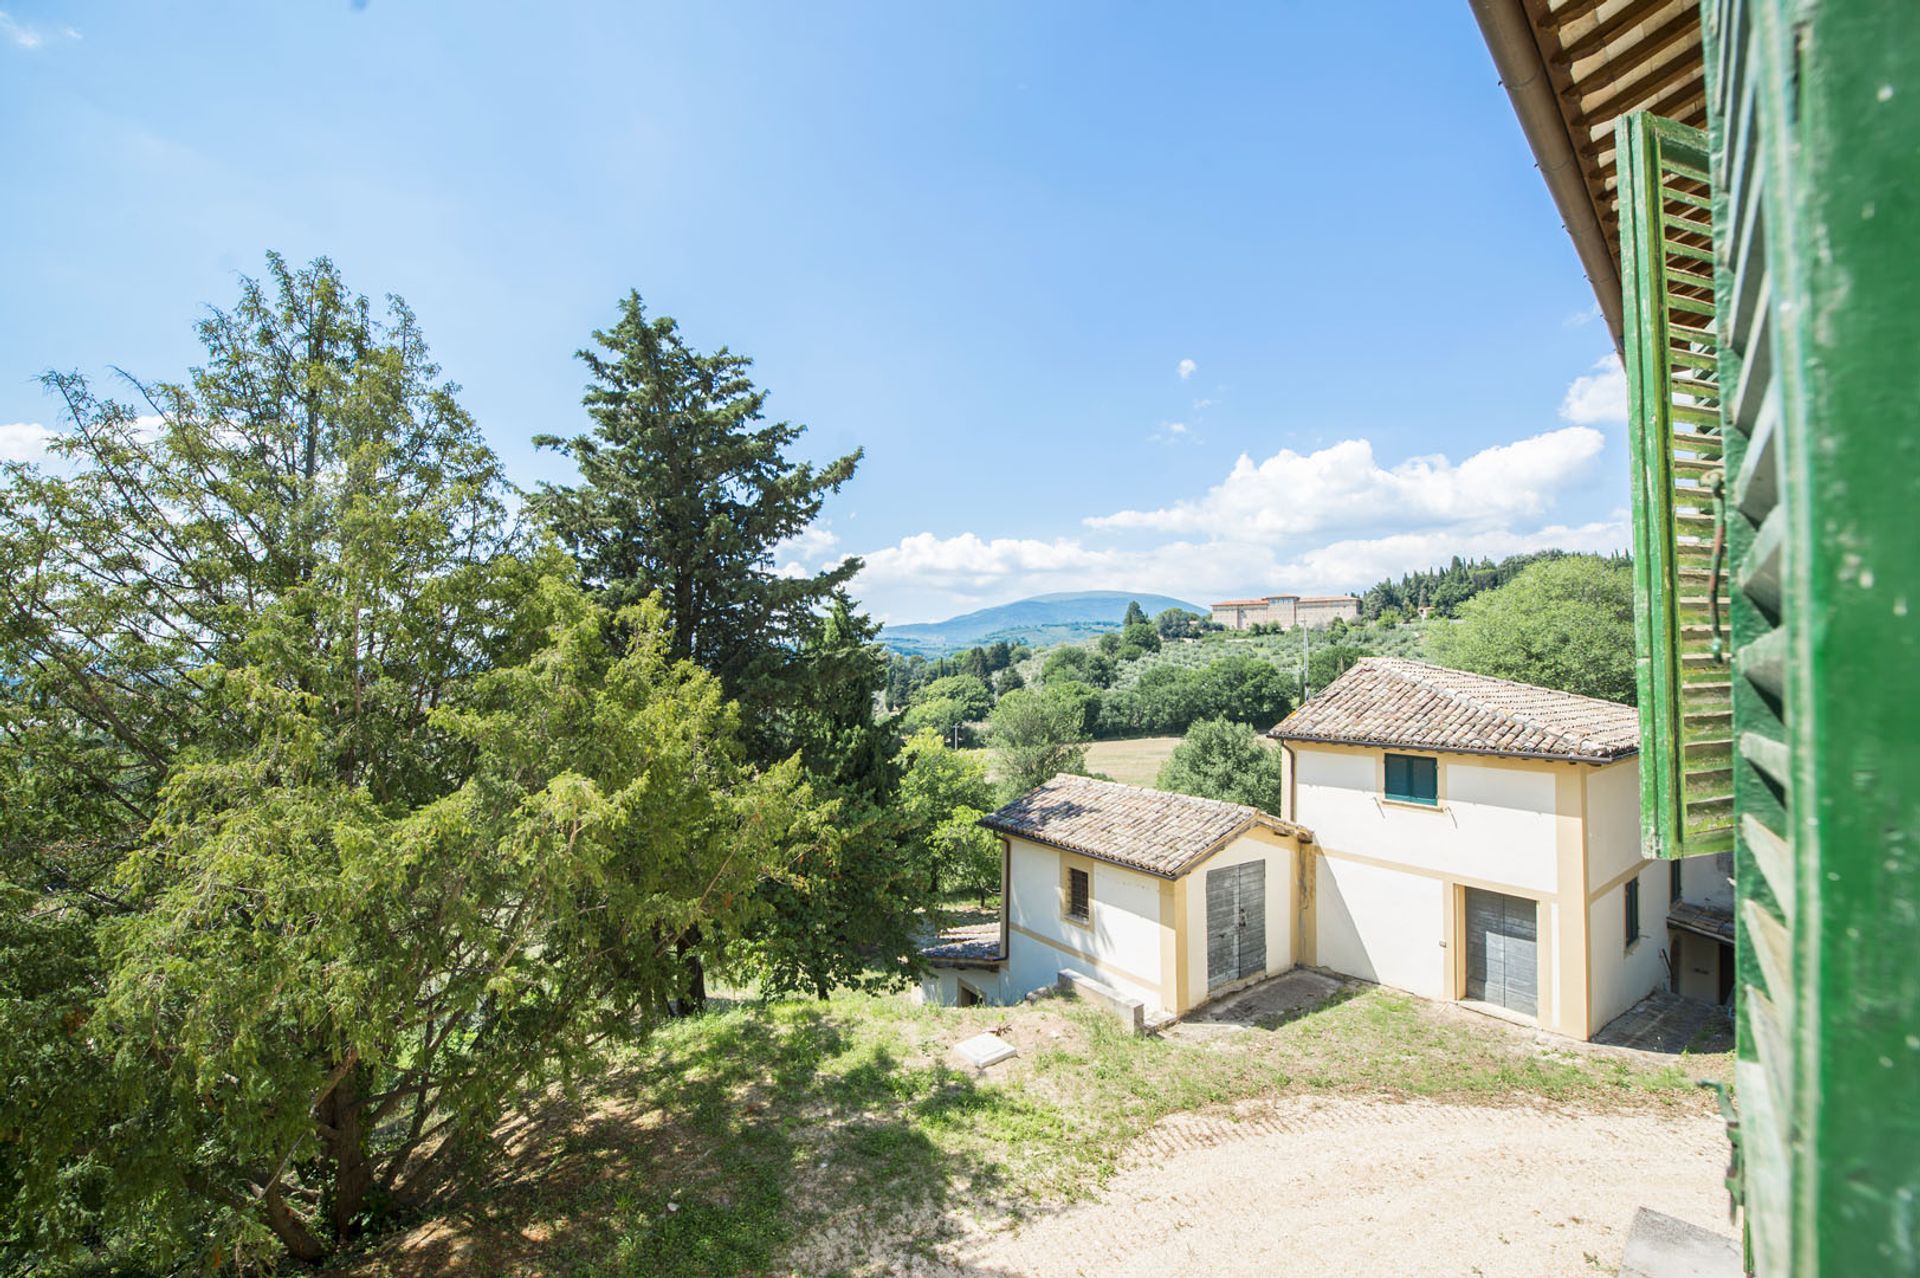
(943, 795)
(1221, 759)
(331, 816)
(1036, 736)
(1563, 623)
(685, 489)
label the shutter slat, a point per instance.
(1681, 592)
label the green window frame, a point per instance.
(1633, 911)
(1413, 778)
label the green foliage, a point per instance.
(846, 910)
(1079, 664)
(1036, 736)
(685, 490)
(943, 795)
(334, 816)
(1445, 590)
(968, 692)
(1137, 639)
(1166, 698)
(1221, 759)
(1178, 623)
(1564, 623)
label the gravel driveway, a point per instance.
(1348, 1187)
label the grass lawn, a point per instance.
(841, 1136)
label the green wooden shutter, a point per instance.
(1813, 113)
(1681, 574)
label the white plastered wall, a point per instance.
(1281, 873)
(1621, 975)
(1613, 822)
(1120, 944)
(1381, 925)
(1494, 823)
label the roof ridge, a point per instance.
(1461, 699)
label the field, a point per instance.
(842, 1136)
(1136, 762)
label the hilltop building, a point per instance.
(1314, 611)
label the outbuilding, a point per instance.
(1167, 898)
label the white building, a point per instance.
(1168, 898)
(1450, 834)
(1477, 839)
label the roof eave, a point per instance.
(1258, 818)
(1523, 73)
(1385, 743)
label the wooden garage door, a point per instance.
(1503, 962)
(1236, 922)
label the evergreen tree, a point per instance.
(685, 489)
(846, 912)
(335, 818)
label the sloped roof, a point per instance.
(1151, 830)
(1572, 68)
(1239, 603)
(1391, 701)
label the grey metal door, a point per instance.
(1503, 963)
(1236, 922)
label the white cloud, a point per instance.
(1598, 398)
(22, 36)
(23, 441)
(1344, 487)
(1332, 520)
(806, 552)
(1177, 428)
(1187, 368)
(1580, 319)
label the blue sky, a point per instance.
(1201, 300)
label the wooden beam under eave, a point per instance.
(1680, 71)
(1518, 55)
(1573, 11)
(1606, 33)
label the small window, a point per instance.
(1673, 880)
(1633, 911)
(1412, 778)
(1079, 896)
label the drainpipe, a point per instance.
(1516, 56)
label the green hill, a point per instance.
(1040, 621)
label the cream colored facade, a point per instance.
(1146, 934)
(1385, 888)
(1314, 611)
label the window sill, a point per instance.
(1409, 804)
(1072, 920)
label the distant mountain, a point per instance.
(1041, 620)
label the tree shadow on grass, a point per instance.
(731, 1143)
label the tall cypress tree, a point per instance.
(685, 489)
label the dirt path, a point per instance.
(1347, 1187)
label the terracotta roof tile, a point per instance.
(1151, 830)
(1391, 701)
